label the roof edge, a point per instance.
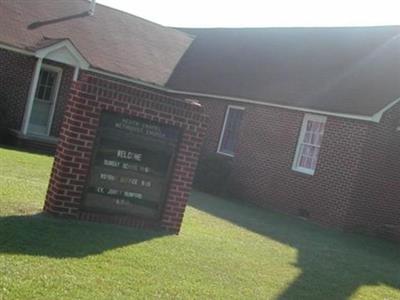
(289, 107)
(67, 43)
(285, 27)
(374, 118)
(378, 116)
(16, 49)
(241, 100)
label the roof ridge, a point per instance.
(290, 27)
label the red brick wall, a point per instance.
(375, 207)
(16, 75)
(89, 97)
(263, 166)
(15, 78)
(356, 184)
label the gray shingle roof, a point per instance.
(110, 40)
(342, 70)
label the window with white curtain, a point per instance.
(230, 130)
(309, 144)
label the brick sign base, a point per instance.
(90, 97)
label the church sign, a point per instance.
(130, 167)
(126, 155)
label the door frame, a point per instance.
(58, 71)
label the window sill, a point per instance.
(304, 171)
(225, 154)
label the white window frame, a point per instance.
(31, 98)
(228, 109)
(295, 165)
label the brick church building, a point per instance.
(309, 117)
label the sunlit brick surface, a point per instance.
(92, 95)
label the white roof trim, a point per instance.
(82, 62)
(17, 50)
(374, 118)
(309, 110)
(242, 100)
(378, 116)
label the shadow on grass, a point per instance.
(43, 235)
(333, 264)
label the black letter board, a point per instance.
(130, 166)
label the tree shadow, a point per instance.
(333, 264)
(43, 235)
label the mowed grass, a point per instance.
(226, 250)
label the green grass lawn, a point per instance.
(226, 250)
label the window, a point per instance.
(230, 130)
(46, 83)
(309, 144)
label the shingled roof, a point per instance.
(110, 40)
(341, 70)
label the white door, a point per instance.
(44, 102)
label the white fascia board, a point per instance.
(309, 110)
(17, 50)
(374, 118)
(128, 79)
(240, 100)
(378, 116)
(83, 63)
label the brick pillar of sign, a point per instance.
(92, 95)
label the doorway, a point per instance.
(44, 102)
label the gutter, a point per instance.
(375, 118)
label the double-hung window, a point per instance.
(230, 130)
(309, 144)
